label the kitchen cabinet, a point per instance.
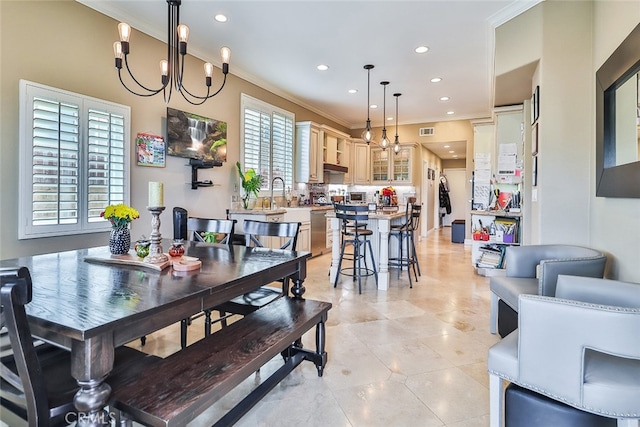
(303, 216)
(334, 148)
(361, 163)
(389, 167)
(347, 155)
(309, 158)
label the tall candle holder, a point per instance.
(156, 255)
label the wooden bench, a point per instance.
(175, 390)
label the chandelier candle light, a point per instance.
(156, 206)
(172, 68)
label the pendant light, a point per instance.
(368, 135)
(384, 142)
(396, 142)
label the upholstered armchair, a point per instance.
(581, 348)
(534, 270)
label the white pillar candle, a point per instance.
(156, 194)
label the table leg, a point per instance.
(297, 289)
(320, 343)
(91, 362)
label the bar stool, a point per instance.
(354, 232)
(405, 235)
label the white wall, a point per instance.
(571, 40)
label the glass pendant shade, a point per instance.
(368, 135)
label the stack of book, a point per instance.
(491, 256)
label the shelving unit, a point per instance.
(495, 220)
(201, 164)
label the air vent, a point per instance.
(427, 131)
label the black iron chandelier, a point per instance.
(172, 68)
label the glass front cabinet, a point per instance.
(389, 167)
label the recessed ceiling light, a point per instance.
(353, 90)
(451, 151)
(322, 67)
(221, 18)
(422, 49)
(447, 146)
(444, 98)
(436, 79)
(455, 156)
(450, 112)
(373, 106)
(389, 118)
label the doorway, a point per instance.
(456, 179)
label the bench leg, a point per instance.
(207, 323)
(183, 332)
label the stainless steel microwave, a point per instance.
(357, 197)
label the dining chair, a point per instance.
(210, 230)
(37, 385)
(206, 230)
(353, 220)
(263, 234)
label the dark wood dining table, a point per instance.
(91, 308)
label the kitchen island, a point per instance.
(380, 223)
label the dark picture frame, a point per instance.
(535, 105)
(534, 139)
(615, 180)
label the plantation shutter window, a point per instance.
(267, 141)
(55, 168)
(74, 161)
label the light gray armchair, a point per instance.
(581, 348)
(534, 270)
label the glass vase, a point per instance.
(119, 240)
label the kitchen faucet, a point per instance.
(273, 204)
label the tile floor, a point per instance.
(404, 357)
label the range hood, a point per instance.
(331, 168)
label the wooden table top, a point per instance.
(79, 299)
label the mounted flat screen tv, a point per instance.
(196, 137)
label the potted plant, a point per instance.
(251, 183)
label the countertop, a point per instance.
(261, 211)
